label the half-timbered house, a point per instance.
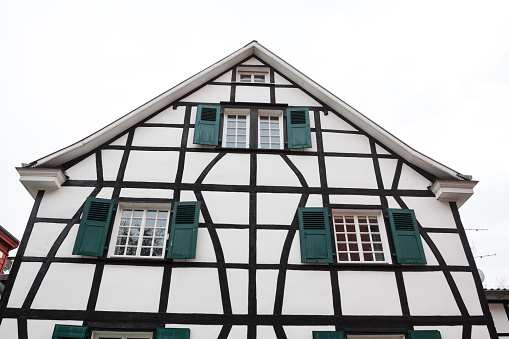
(246, 202)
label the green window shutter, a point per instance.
(430, 334)
(206, 129)
(69, 331)
(172, 333)
(184, 230)
(406, 237)
(315, 241)
(94, 226)
(297, 128)
(328, 335)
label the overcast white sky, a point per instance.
(433, 73)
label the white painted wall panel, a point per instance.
(111, 163)
(276, 208)
(332, 121)
(42, 238)
(468, 291)
(158, 136)
(355, 199)
(266, 282)
(232, 169)
(294, 97)
(429, 294)
(146, 193)
(430, 212)
(226, 77)
(105, 193)
(350, 172)
(447, 332)
(253, 61)
(84, 170)
(279, 80)
(204, 247)
(392, 203)
(200, 331)
(52, 206)
(480, 332)
(304, 332)
(195, 164)
(450, 247)
(313, 144)
(119, 282)
(210, 94)
(42, 329)
(189, 293)
(272, 170)
(150, 166)
(252, 94)
(499, 318)
(380, 150)
(410, 179)
(307, 292)
(387, 169)
(369, 293)
(345, 143)
(120, 141)
(235, 245)
(265, 332)
(67, 246)
(308, 166)
(314, 200)
(65, 286)
(24, 279)
(228, 207)
(430, 257)
(9, 328)
(238, 284)
(269, 245)
(294, 256)
(169, 116)
(238, 332)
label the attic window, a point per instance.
(253, 74)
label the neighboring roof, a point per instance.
(253, 48)
(9, 239)
(497, 294)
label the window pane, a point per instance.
(151, 214)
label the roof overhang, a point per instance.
(453, 190)
(497, 294)
(36, 178)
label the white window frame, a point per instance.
(122, 335)
(382, 232)
(271, 113)
(252, 71)
(116, 226)
(228, 112)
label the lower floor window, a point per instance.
(122, 335)
(375, 336)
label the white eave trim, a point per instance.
(453, 190)
(35, 179)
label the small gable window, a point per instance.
(252, 74)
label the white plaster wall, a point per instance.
(238, 331)
(387, 169)
(120, 141)
(265, 332)
(84, 170)
(314, 200)
(308, 166)
(238, 284)
(227, 77)
(42, 238)
(279, 80)
(272, 170)
(157, 136)
(350, 172)
(294, 255)
(232, 169)
(307, 292)
(294, 97)
(194, 110)
(200, 331)
(169, 116)
(119, 282)
(380, 150)
(430, 212)
(447, 332)
(468, 291)
(430, 257)
(480, 332)
(269, 244)
(235, 244)
(332, 121)
(392, 203)
(410, 179)
(42, 329)
(65, 286)
(9, 328)
(252, 94)
(304, 332)
(228, 207)
(276, 208)
(195, 164)
(24, 279)
(450, 247)
(111, 163)
(252, 61)
(210, 94)
(67, 246)
(204, 247)
(105, 193)
(354, 199)
(313, 144)
(151, 166)
(499, 318)
(74, 197)
(146, 193)
(190, 294)
(369, 293)
(345, 143)
(429, 294)
(266, 282)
